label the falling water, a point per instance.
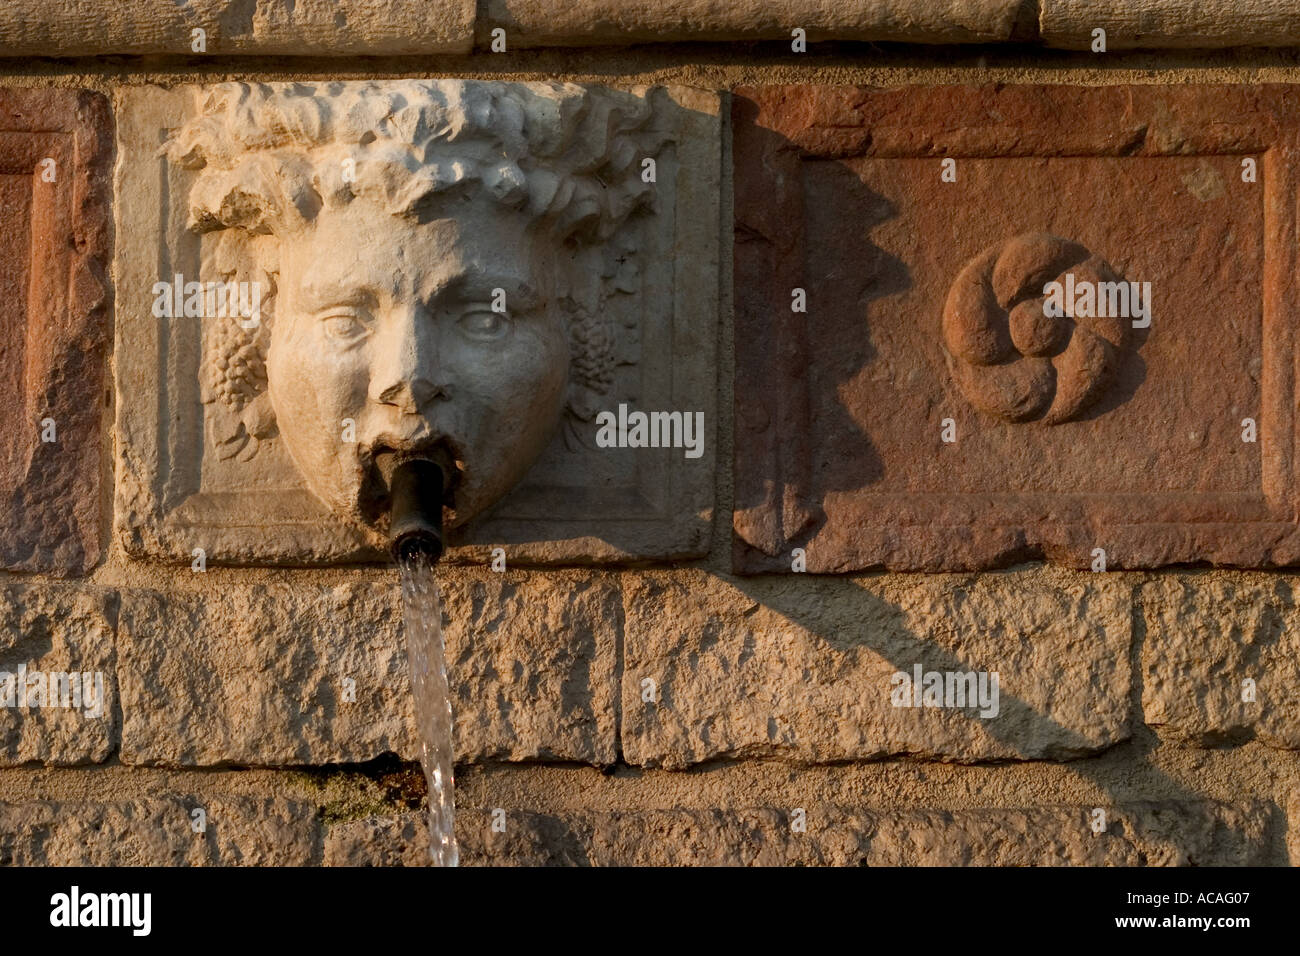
(423, 614)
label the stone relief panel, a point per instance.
(539, 254)
(1036, 322)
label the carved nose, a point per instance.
(407, 373)
(409, 395)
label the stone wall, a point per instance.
(624, 707)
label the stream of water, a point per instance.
(422, 611)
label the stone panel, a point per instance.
(55, 150)
(254, 675)
(202, 462)
(806, 673)
(927, 412)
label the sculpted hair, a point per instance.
(271, 157)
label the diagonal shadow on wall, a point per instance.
(895, 640)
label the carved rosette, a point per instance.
(1009, 357)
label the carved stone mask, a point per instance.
(388, 324)
(433, 256)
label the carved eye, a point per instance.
(484, 324)
(344, 326)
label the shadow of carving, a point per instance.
(1128, 377)
(787, 459)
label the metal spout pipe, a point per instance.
(416, 491)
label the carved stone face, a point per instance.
(388, 322)
(394, 219)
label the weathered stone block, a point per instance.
(58, 684)
(1221, 659)
(1136, 834)
(1152, 24)
(533, 23)
(256, 674)
(260, 831)
(928, 410)
(55, 149)
(239, 831)
(255, 437)
(379, 841)
(1189, 833)
(1293, 828)
(804, 669)
(298, 28)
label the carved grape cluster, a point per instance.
(1011, 358)
(592, 348)
(236, 367)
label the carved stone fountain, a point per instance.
(427, 256)
(423, 243)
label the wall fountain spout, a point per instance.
(417, 489)
(418, 485)
(472, 316)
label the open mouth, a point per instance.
(379, 460)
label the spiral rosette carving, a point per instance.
(1013, 359)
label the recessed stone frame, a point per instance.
(55, 151)
(839, 410)
(579, 503)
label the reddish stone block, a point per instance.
(55, 151)
(926, 317)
